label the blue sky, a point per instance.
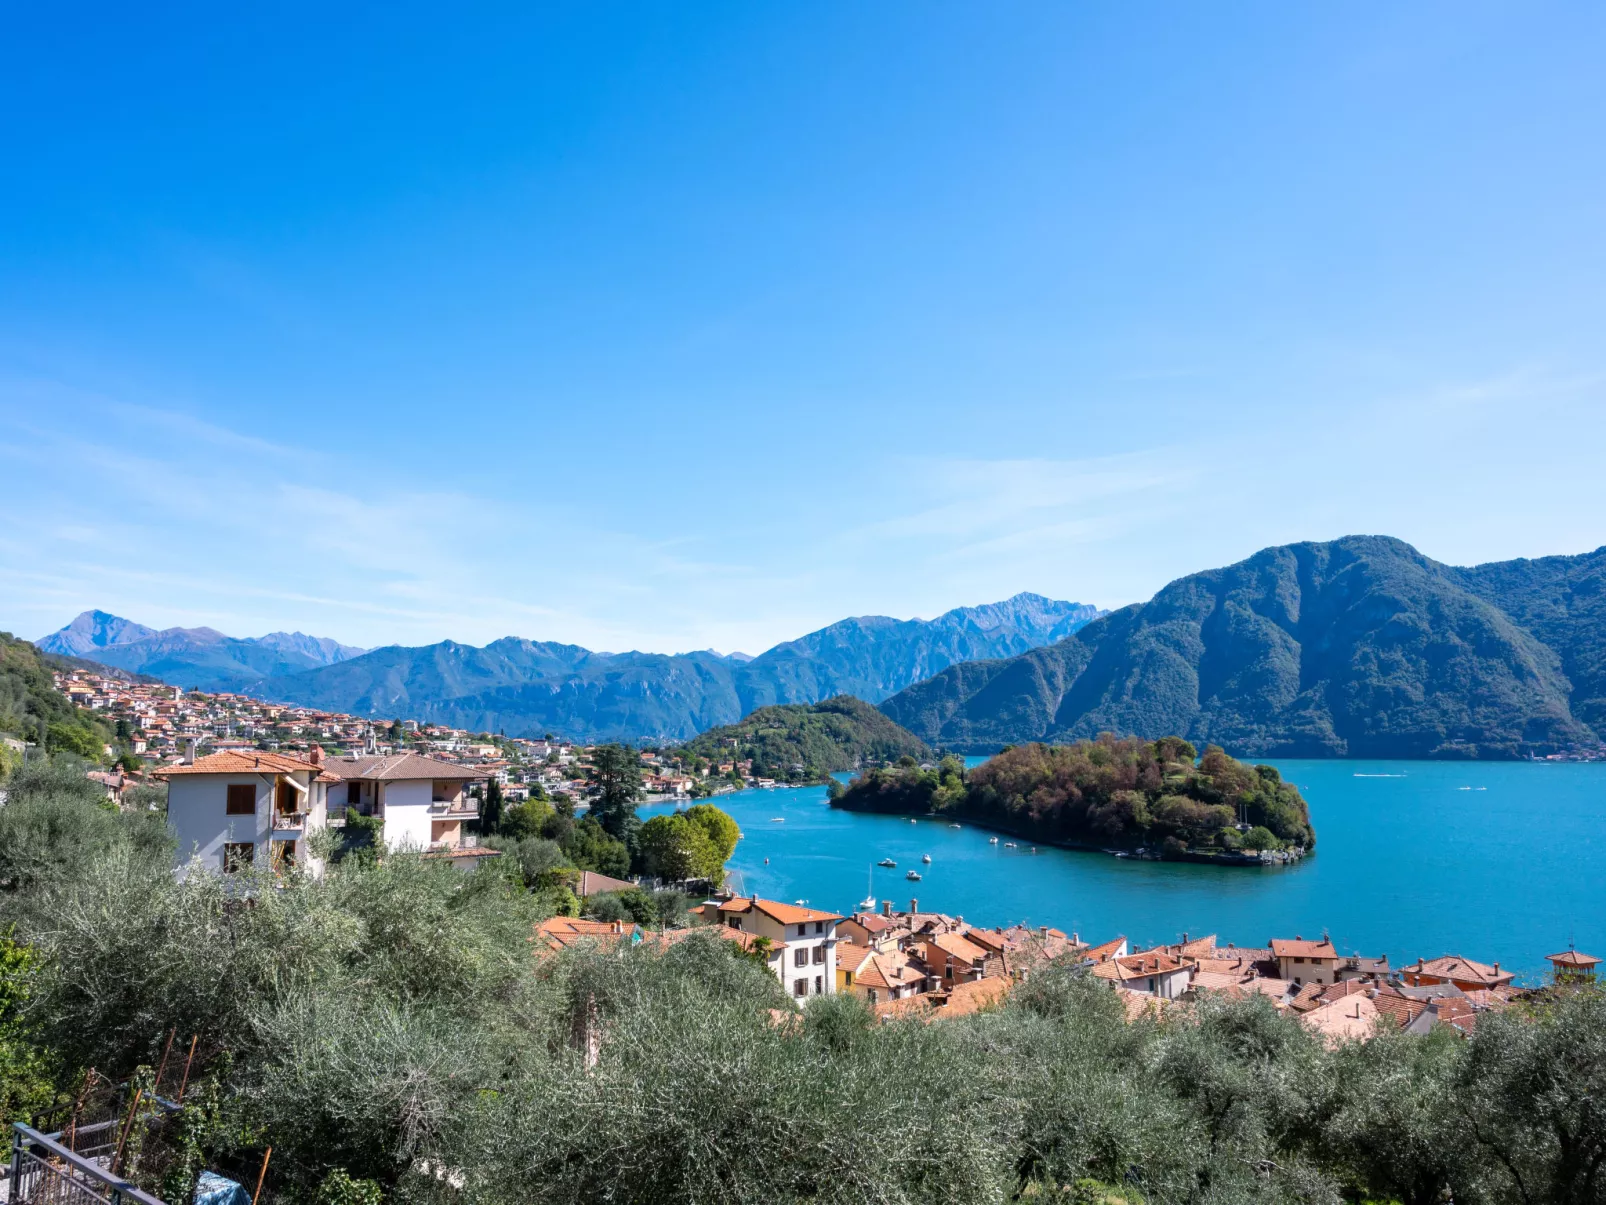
(666, 327)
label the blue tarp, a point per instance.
(213, 1189)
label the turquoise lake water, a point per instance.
(1500, 862)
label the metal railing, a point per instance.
(43, 1172)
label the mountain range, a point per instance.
(524, 686)
(1360, 647)
(191, 657)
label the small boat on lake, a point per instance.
(777, 819)
(913, 876)
(1009, 845)
(992, 840)
(886, 862)
(926, 858)
(867, 904)
(953, 826)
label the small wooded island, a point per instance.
(1144, 798)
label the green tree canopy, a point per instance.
(676, 847)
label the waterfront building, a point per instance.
(806, 937)
(1305, 961)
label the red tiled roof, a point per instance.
(956, 946)
(1572, 958)
(254, 762)
(1104, 952)
(1458, 969)
(1282, 947)
(786, 914)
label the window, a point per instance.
(238, 855)
(802, 929)
(242, 800)
(819, 926)
(800, 957)
(847, 977)
(800, 987)
(874, 995)
(819, 985)
(819, 955)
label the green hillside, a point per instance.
(33, 710)
(800, 742)
(1361, 647)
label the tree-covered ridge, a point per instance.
(799, 742)
(33, 710)
(1109, 792)
(1361, 647)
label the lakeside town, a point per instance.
(421, 783)
(159, 725)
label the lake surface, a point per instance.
(1499, 862)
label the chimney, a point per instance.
(189, 751)
(316, 755)
(886, 907)
(914, 905)
(618, 927)
(1076, 938)
(1497, 968)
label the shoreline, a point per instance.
(1227, 858)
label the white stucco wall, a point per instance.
(407, 819)
(787, 937)
(195, 813)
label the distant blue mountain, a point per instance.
(524, 686)
(192, 657)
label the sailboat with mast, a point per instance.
(867, 904)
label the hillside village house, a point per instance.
(805, 938)
(251, 808)
(236, 810)
(423, 802)
(1151, 973)
(1465, 974)
(1302, 962)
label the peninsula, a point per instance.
(1145, 798)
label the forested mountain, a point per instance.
(525, 686)
(192, 657)
(1360, 647)
(800, 742)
